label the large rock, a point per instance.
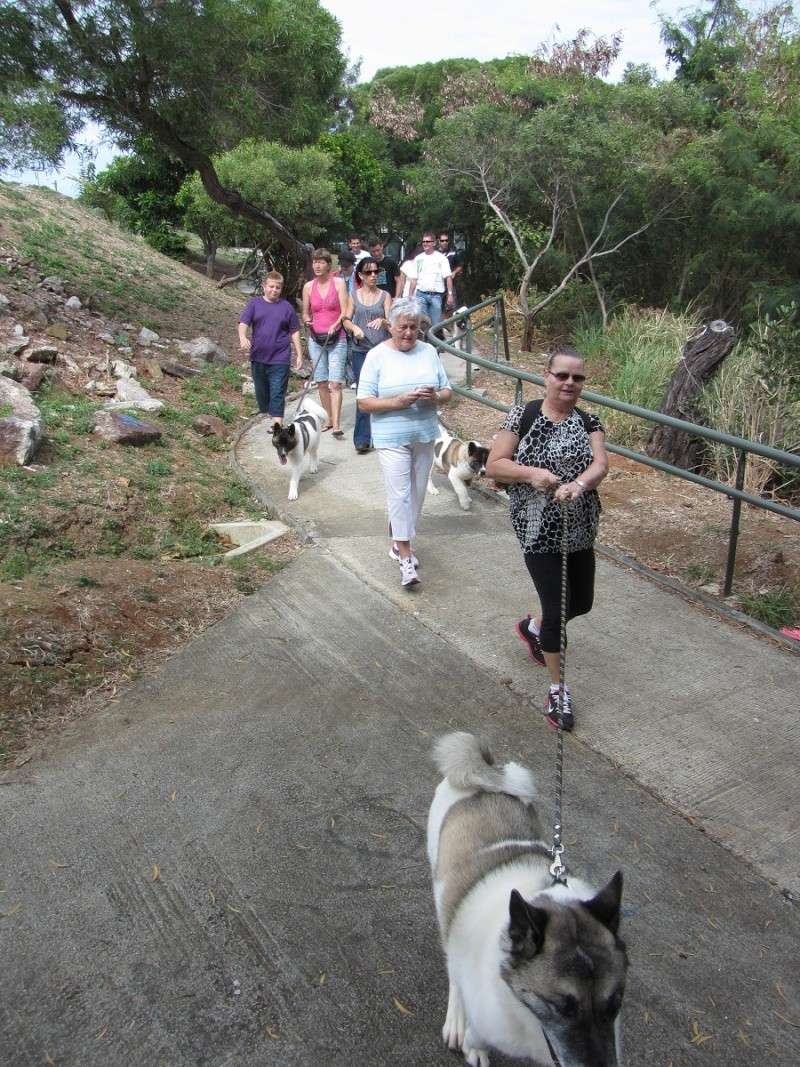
(203, 350)
(209, 426)
(10, 370)
(123, 429)
(34, 376)
(53, 283)
(21, 427)
(42, 354)
(152, 369)
(178, 370)
(146, 337)
(121, 369)
(74, 303)
(59, 330)
(129, 389)
(14, 347)
(4, 304)
(150, 404)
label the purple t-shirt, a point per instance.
(272, 326)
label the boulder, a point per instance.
(10, 370)
(42, 354)
(73, 303)
(146, 337)
(129, 389)
(107, 338)
(122, 429)
(100, 388)
(152, 369)
(4, 304)
(21, 428)
(121, 369)
(149, 404)
(33, 377)
(248, 388)
(53, 283)
(59, 330)
(209, 426)
(178, 370)
(13, 348)
(203, 350)
(19, 330)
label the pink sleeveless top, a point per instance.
(324, 310)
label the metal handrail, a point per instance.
(741, 445)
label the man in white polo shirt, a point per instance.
(430, 279)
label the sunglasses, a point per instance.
(562, 376)
(427, 242)
(370, 272)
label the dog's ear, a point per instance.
(472, 449)
(526, 928)
(276, 428)
(605, 907)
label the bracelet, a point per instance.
(581, 484)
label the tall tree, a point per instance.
(195, 76)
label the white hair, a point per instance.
(406, 307)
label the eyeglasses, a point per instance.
(370, 272)
(427, 241)
(446, 240)
(562, 376)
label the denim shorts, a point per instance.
(329, 362)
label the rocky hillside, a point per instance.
(106, 557)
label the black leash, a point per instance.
(558, 868)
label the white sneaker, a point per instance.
(395, 555)
(408, 573)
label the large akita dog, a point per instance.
(528, 961)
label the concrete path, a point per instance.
(697, 709)
(227, 866)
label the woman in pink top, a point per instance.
(324, 307)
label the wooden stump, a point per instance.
(702, 355)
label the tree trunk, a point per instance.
(701, 357)
(211, 258)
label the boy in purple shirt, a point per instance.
(274, 332)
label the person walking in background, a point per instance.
(367, 322)
(456, 265)
(431, 281)
(347, 271)
(388, 268)
(403, 283)
(274, 333)
(324, 307)
(354, 244)
(402, 385)
(550, 451)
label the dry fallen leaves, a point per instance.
(11, 911)
(698, 1037)
(401, 1007)
(155, 874)
(272, 1033)
(55, 863)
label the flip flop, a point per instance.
(326, 428)
(338, 433)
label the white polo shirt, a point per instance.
(430, 270)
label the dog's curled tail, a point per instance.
(468, 764)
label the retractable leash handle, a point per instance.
(558, 868)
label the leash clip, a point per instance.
(558, 869)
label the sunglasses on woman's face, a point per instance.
(370, 272)
(563, 376)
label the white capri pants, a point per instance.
(405, 473)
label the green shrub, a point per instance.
(777, 608)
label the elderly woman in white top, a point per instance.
(402, 384)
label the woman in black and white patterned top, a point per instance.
(550, 451)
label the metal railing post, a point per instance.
(733, 536)
(496, 332)
(468, 349)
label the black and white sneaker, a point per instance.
(408, 573)
(524, 633)
(566, 721)
(394, 553)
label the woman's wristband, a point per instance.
(581, 484)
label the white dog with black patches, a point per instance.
(461, 461)
(299, 441)
(530, 962)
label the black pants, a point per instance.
(545, 569)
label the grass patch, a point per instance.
(701, 573)
(63, 412)
(776, 608)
